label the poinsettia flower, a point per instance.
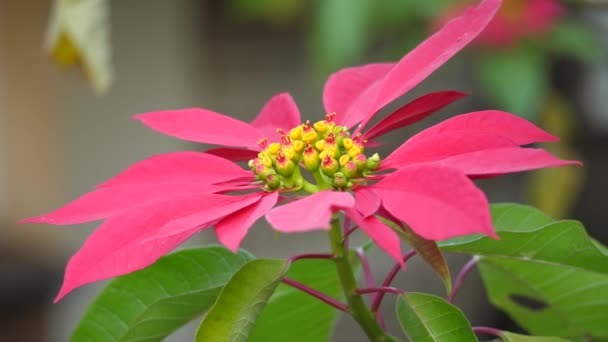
(156, 204)
(516, 20)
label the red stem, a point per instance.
(388, 280)
(310, 256)
(319, 295)
(367, 270)
(464, 271)
(349, 231)
(384, 289)
(487, 331)
(369, 277)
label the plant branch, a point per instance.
(317, 294)
(389, 279)
(464, 271)
(297, 257)
(367, 270)
(384, 289)
(487, 331)
(356, 306)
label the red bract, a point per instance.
(519, 19)
(156, 204)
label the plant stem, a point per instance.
(319, 295)
(487, 331)
(464, 271)
(389, 279)
(310, 256)
(367, 270)
(384, 289)
(356, 306)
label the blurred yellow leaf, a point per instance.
(555, 190)
(79, 35)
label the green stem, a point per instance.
(322, 182)
(308, 187)
(356, 305)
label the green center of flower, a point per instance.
(328, 151)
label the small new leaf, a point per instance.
(241, 301)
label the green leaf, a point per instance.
(241, 301)
(511, 337)
(425, 317)
(515, 80)
(571, 38)
(150, 304)
(294, 316)
(552, 279)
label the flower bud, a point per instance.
(329, 165)
(284, 165)
(273, 182)
(350, 170)
(360, 161)
(339, 181)
(373, 162)
(311, 158)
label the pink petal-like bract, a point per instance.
(380, 233)
(106, 201)
(344, 87)
(413, 112)
(206, 214)
(436, 202)
(233, 154)
(279, 112)
(427, 57)
(179, 167)
(310, 213)
(499, 123)
(122, 243)
(232, 229)
(367, 202)
(204, 126)
(438, 147)
(503, 160)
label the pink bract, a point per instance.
(156, 204)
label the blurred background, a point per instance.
(72, 72)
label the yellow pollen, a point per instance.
(309, 136)
(354, 151)
(320, 126)
(348, 143)
(298, 145)
(344, 160)
(266, 161)
(274, 148)
(320, 145)
(295, 133)
(289, 152)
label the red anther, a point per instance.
(329, 117)
(306, 127)
(330, 138)
(263, 143)
(281, 157)
(327, 161)
(285, 139)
